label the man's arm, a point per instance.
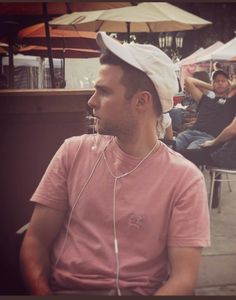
(232, 90)
(225, 135)
(232, 84)
(194, 86)
(184, 266)
(35, 250)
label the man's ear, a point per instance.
(143, 100)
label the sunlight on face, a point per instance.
(110, 107)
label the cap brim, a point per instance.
(220, 72)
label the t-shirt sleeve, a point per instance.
(52, 189)
(189, 226)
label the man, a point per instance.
(119, 213)
(214, 114)
(183, 118)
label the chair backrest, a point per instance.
(221, 170)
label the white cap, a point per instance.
(149, 59)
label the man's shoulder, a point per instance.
(179, 162)
(75, 142)
(181, 173)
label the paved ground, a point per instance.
(218, 269)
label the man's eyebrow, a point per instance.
(101, 87)
(98, 86)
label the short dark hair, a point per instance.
(133, 79)
(220, 72)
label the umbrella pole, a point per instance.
(63, 68)
(48, 40)
(128, 31)
(64, 61)
(11, 64)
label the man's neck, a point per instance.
(223, 95)
(138, 145)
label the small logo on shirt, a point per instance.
(136, 221)
(221, 101)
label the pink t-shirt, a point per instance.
(162, 204)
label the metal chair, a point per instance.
(215, 171)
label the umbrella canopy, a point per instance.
(225, 52)
(59, 52)
(31, 8)
(36, 35)
(189, 65)
(145, 17)
(33, 12)
(192, 59)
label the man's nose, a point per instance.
(92, 101)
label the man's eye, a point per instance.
(103, 92)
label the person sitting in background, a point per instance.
(214, 113)
(191, 112)
(60, 83)
(183, 118)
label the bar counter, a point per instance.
(33, 124)
(44, 100)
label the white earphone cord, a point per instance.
(116, 246)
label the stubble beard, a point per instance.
(114, 129)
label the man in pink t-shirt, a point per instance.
(118, 212)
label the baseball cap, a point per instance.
(149, 59)
(220, 72)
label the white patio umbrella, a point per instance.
(225, 52)
(145, 17)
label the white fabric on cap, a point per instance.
(149, 59)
